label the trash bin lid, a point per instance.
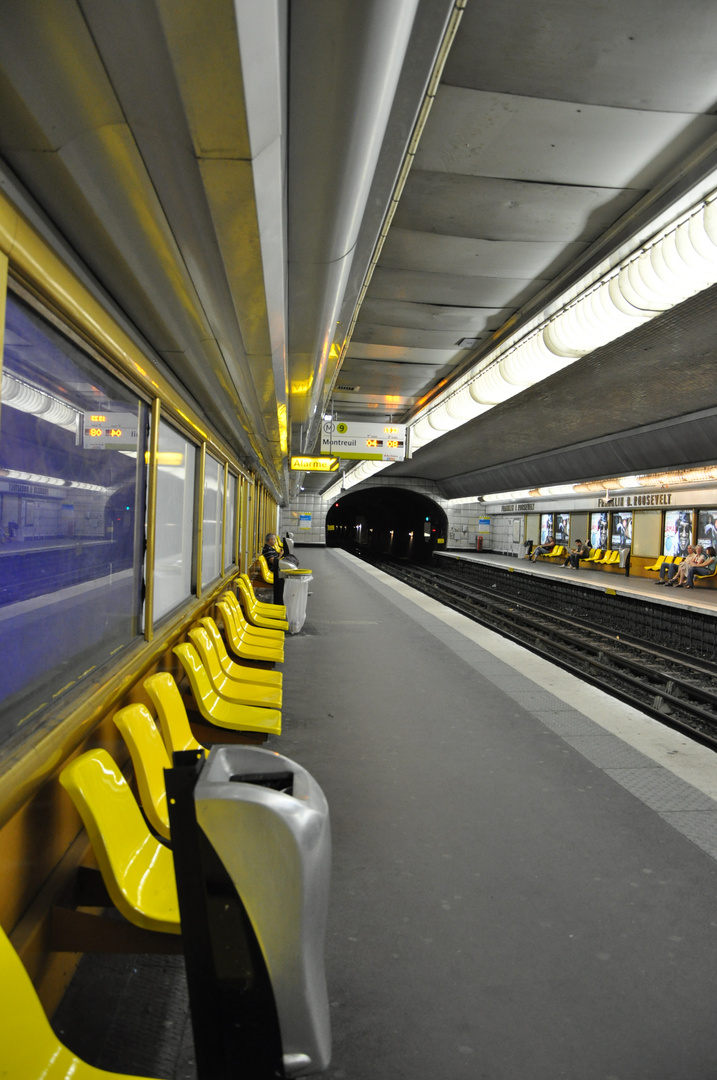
(301, 572)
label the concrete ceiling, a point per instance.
(223, 171)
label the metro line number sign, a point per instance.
(367, 442)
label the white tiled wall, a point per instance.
(313, 506)
(463, 519)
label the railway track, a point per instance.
(678, 690)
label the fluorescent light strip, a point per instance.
(673, 265)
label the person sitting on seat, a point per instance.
(575, 555)
(670, 571)
(544, 548)
(273, 556)
(704, 570)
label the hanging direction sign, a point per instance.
(358, 440)
(314, 464)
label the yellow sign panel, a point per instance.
(314, 464)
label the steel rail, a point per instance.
(633, 680)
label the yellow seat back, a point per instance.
(214, 708)
(245, 644)
(257, 675)
(258, 627)
(172, 715)
(266, 573)
(138, 871)
(30, 1048)
(150, 759)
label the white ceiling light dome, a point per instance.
(491, 388)
(462, 406)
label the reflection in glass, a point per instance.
(71, 447)
(212, 531)
(174, 520)
(230, 521)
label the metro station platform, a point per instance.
(524, 869)
(701, 598)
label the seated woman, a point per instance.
(544, 548)
(704, 570)
(671, 571)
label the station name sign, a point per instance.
(661, 499)
(314, 464)
(364, 441)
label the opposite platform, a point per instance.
(701, 598)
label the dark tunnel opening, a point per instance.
(388, 522)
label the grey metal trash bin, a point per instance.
(296, 592)
(268, 821)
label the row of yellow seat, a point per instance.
(132, 849)
(598, 555)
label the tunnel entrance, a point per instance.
(387, 521)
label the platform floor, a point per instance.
(524, 870)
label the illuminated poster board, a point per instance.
(562, 529)
(621, 529)
(678, 532)
(706, 528)
(546, 527)
(599, 530)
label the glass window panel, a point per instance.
(174, 520)
(230, 521)
(212, 531)
(72, 444)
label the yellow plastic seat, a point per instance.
(172, 715)
(261, 633)
(595, 555)
(251, 635)
(278, 610)
(236, 690)
(266, 573)
(246, 671)
(244, 646)
(268, 611)
(606, 558)
(218, 711)
(615, 557)
(657, 564)
(255, 618)
(138, 870)
(30, 1048)
(272, 611)
(150, 759)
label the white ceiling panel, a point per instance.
(486, 134)
(452, 289)
(411, 250)
(408, 336)
(642, 54)
(461, 320)
(363, 351)
(497, 209)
